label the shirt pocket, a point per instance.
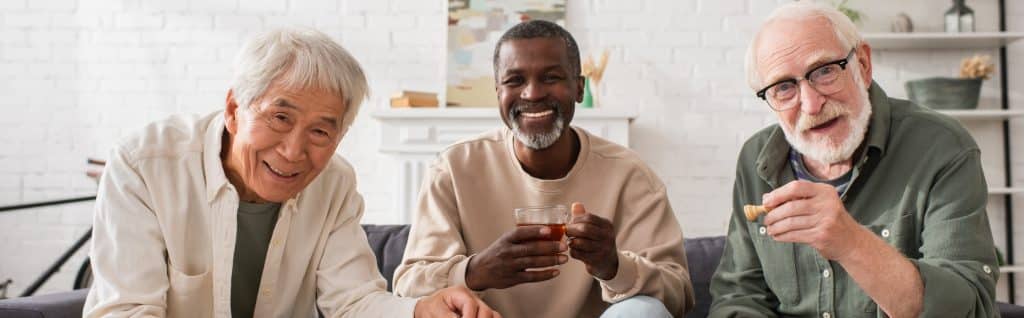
(189, 295)
(778, 262)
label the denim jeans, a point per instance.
(637, 306)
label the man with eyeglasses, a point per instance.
(876, 206)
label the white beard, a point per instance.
(825, 149)
(541, 140)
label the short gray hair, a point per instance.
(299, 58)
(845, 30)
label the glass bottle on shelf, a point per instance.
(959, 18)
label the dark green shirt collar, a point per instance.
(772, 159)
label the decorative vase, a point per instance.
(588, 97)
(959, 18)
(902, 24)
(945, 93)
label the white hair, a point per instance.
(299, 58)
(846, 32)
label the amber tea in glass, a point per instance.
(554, 217)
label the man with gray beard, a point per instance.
(624, 256)
(876, 206)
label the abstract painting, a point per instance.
(474, 27)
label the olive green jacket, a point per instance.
(917, 183)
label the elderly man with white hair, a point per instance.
(876, 205)
(248, 212)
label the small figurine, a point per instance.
(902, 24)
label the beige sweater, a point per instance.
(467, 201)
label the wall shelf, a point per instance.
(1011, 269)
(923, 43)
(984, 114)
(941, 40)
(1004, 191)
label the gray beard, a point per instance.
(826, 151)
(539, 141)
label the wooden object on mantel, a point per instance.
(414, 99)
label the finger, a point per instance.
(587, 257)
(793, 223)
(589, 231)
(578, 210)
(536, 276)
(791, 191)
(593, 220)
(485, 311)
(537, 248)
(540, 261)
(789, 209)
(466, 304)
(585, 245)
(527, 233)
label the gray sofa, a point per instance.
(388, 243)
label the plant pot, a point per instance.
(945, 93)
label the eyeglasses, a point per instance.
(785, 94)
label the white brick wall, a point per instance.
(77, 75)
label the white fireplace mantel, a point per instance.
(415, 136)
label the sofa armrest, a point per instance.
(1010, 311)
(63, 304)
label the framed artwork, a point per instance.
(474, 27)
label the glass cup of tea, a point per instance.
(554, 217)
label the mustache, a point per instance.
(519, 106)
(830, 111)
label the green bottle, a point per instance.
(588, 98)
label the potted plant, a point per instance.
(851, 13)
(592, 72)
(953, 93)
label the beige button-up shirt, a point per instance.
(164, 236)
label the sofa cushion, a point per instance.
(64, 304)
(702, 255)
(388, 243)
(1008, 310)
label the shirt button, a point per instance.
(826, 315)
(762, 230)
(826, 273)
(266, 291)
(988, 270)
(885, 233)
